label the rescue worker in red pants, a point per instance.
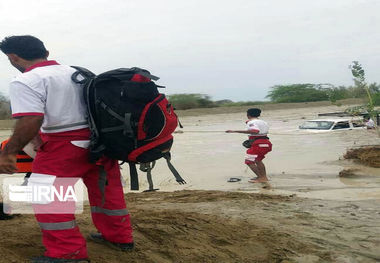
(259, 144)
(45, 100)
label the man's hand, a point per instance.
(36, 142)
(26, 129)
(8, 163)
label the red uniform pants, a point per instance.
(258, 150)
(60, 234)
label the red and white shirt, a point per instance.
(260, 127)
(370, 124)
(46, 89)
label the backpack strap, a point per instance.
(102, 182)
(147, 168)
(134, 177)
(180, 124)
(177, 176)
(86, 78)
(144, 73)
(126, 120)
(82, 75)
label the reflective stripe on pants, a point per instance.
(58, 226)
(115, 212)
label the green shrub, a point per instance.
(297, 93)
(244, 103)
(337, 93)
(376, 99)
(190, 101)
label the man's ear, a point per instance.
(47, 53)
(13, 57)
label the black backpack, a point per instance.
(129, 119)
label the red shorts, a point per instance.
(258, 151)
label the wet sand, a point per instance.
(309, 213)
(214, 226)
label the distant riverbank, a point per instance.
(8, 124)
(266, 107)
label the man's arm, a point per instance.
(25, 130)
(243, 131)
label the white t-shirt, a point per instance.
(47, 90)
(370, 124)
(259, 126)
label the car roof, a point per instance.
(333, 120)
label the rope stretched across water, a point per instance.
(272, 133)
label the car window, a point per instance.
(341, 125)
(317, 125)
(357, 123)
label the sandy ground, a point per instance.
(214, 226)
(307, 214)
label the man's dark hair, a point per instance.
(26, 47)
(254, 112)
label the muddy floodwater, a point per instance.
(302, 163)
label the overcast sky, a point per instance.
(227, 49)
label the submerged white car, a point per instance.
(332, 124)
